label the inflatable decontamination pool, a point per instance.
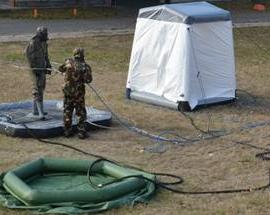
(16, 119)
(63, 186)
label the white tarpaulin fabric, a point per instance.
(183, 62)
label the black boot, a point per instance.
(35, 110)
(83, 135)
(68, 133)
(42, 109)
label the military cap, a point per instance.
(78, 52)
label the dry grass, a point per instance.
(209, 165)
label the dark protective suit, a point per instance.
(37, 55)
(77, 73)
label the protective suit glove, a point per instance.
(48, 72)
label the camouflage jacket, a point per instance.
(77, 73)
(37, 54)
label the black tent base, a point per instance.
(184, 106)
(180, 106)
(17, 120)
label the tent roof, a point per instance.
(188, 13)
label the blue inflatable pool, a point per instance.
(16, 119)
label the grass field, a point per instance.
(208, 165)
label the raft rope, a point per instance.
(90, 172)
(167, 185)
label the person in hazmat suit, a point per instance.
(77, 73)
(37, 56)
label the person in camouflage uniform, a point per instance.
(37, 56)
(77, 73)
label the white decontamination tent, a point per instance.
(182, 55)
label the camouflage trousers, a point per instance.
(38, 84)
(77, 104)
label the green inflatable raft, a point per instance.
(73, 186)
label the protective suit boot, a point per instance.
(83, 135)
(68, 133)
(35, 110)
(40, 111)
